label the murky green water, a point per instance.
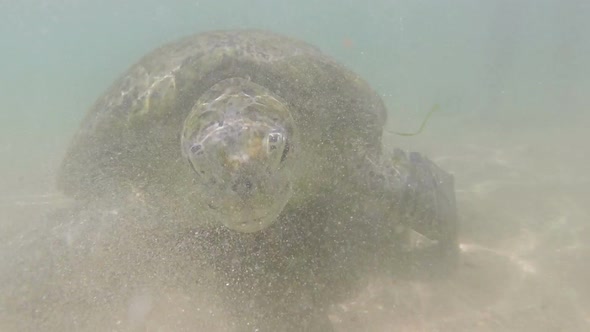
(512, 82)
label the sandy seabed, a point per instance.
(523, 196)
(523, 201)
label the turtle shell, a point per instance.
(129, 142)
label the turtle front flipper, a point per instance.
(428, 210)
(416, 208)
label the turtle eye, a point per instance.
(275, 141)
(197, 149)
(278, 143)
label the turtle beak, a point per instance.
(247, 166)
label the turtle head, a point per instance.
(238, 139)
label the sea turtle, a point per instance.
(272, 151)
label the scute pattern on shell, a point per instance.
(154, 77)
(138, 120)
